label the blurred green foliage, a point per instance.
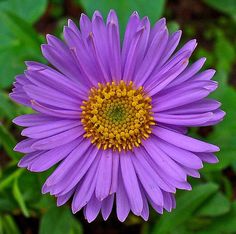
(226, 6)
(208, 208)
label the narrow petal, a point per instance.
(172, 43)
(47, 159)
(86, 189)
(49, 78)
(68, 114)
(104, 175)
(25, 146)
(167, 201)
(184, 120)
(62, 60)
(114, 46)
(131, 183)
(152, 57)
(145, 211)
(122, 202)
(201, 106)
(51, 97)
(184, 157)
(28, 158)
(150, 186)
(170, 101)
(184, 142)
(115, 171)
(72, 169)
(49, 129)
(132, 54)
(58, 139)
(92, 208)
(164, 161)
(61, 200)
(144, 168)
(107, 205)
(189, 72)
(208, 157)
(30, 120)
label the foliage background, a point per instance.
(210, 207)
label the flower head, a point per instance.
(114, 118)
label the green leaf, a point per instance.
(31, 187)
(26, 9)
(187, 204)
(217, 205)
(7, 203)
(24, 45)
(7, 181)
(150, 8)
(7, 109)
(76, 227)
(224, 224)
(225, 6)
(224, 52)
(63, 220)
(8, 225)
(8, 142)
(19, 198)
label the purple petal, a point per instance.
(164, 161)
(30, 120)
(201, 106)
(181, 156)
(104, 175)
(208, 157)
(145, 211)
(175, 99)
(132, 54)
(71, 166)
(49, 78)
(51, 97)
(70, 114)
(172, 43)
(152, 57)
(107, 205)
(122, 202)
(49, 129)
(131, 183)
(184, 120)
(47, 159)
(144, 168)
(114, 46)
(25, 146)
(61, 200)
(86, 189)
(58, 139)
(189, 72)
(149, 184)
(184, 142)
(92, 208)
(115, 171)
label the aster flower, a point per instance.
(114, 118)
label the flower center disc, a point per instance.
(117, 116)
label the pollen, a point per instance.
(117, 116)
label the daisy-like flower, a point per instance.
(114, 118)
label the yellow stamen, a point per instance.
(117, 116)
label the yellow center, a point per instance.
(117, 116)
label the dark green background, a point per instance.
(210, 208)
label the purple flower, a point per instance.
(114, 118)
